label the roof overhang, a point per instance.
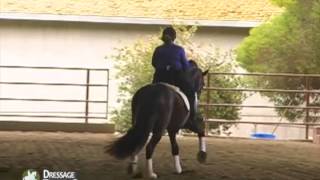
(126, 20)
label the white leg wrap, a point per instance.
(149, 166)
(134, 159)
(150, 172)
(202, 144)
(196, 101)
(177, 164)
(196, 98)
(134, 164)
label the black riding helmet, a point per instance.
(168, 35)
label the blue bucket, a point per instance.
(263, 136)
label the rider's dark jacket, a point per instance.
(170, 55)
(169, 60)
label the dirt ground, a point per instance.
(237, 159)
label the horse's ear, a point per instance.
(205, 73)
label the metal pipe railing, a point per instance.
(55, 84)
(261, 122)
(54, 68)
(307, 93)
(52, 116)
(53, 100)
(257, 106)
(86, 85)
(264, 90)
(267, 74)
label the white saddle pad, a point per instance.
(181, 94)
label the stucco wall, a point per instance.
(63, 44)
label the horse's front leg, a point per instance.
(202, 154)
(175, 152)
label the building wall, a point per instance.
(85, 44)
(63, 44)
(66, 44)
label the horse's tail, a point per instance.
(136, 137)
(131, 142)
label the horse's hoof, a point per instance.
(137, 175)
(202, 157)
(178, 168)
(179, 172)
(132, 169)
(152, 176)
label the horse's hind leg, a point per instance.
(149, 151)
(133, 166)
(175, 152)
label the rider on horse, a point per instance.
(170, 63)
(168, 59)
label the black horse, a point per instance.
(155, 109)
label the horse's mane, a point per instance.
(193, 64)
(191, 77)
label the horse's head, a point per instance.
(196, 77)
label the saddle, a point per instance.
(178, 91)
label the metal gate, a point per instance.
(22, 78)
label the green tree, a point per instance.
(133, 64)
(289, 43)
